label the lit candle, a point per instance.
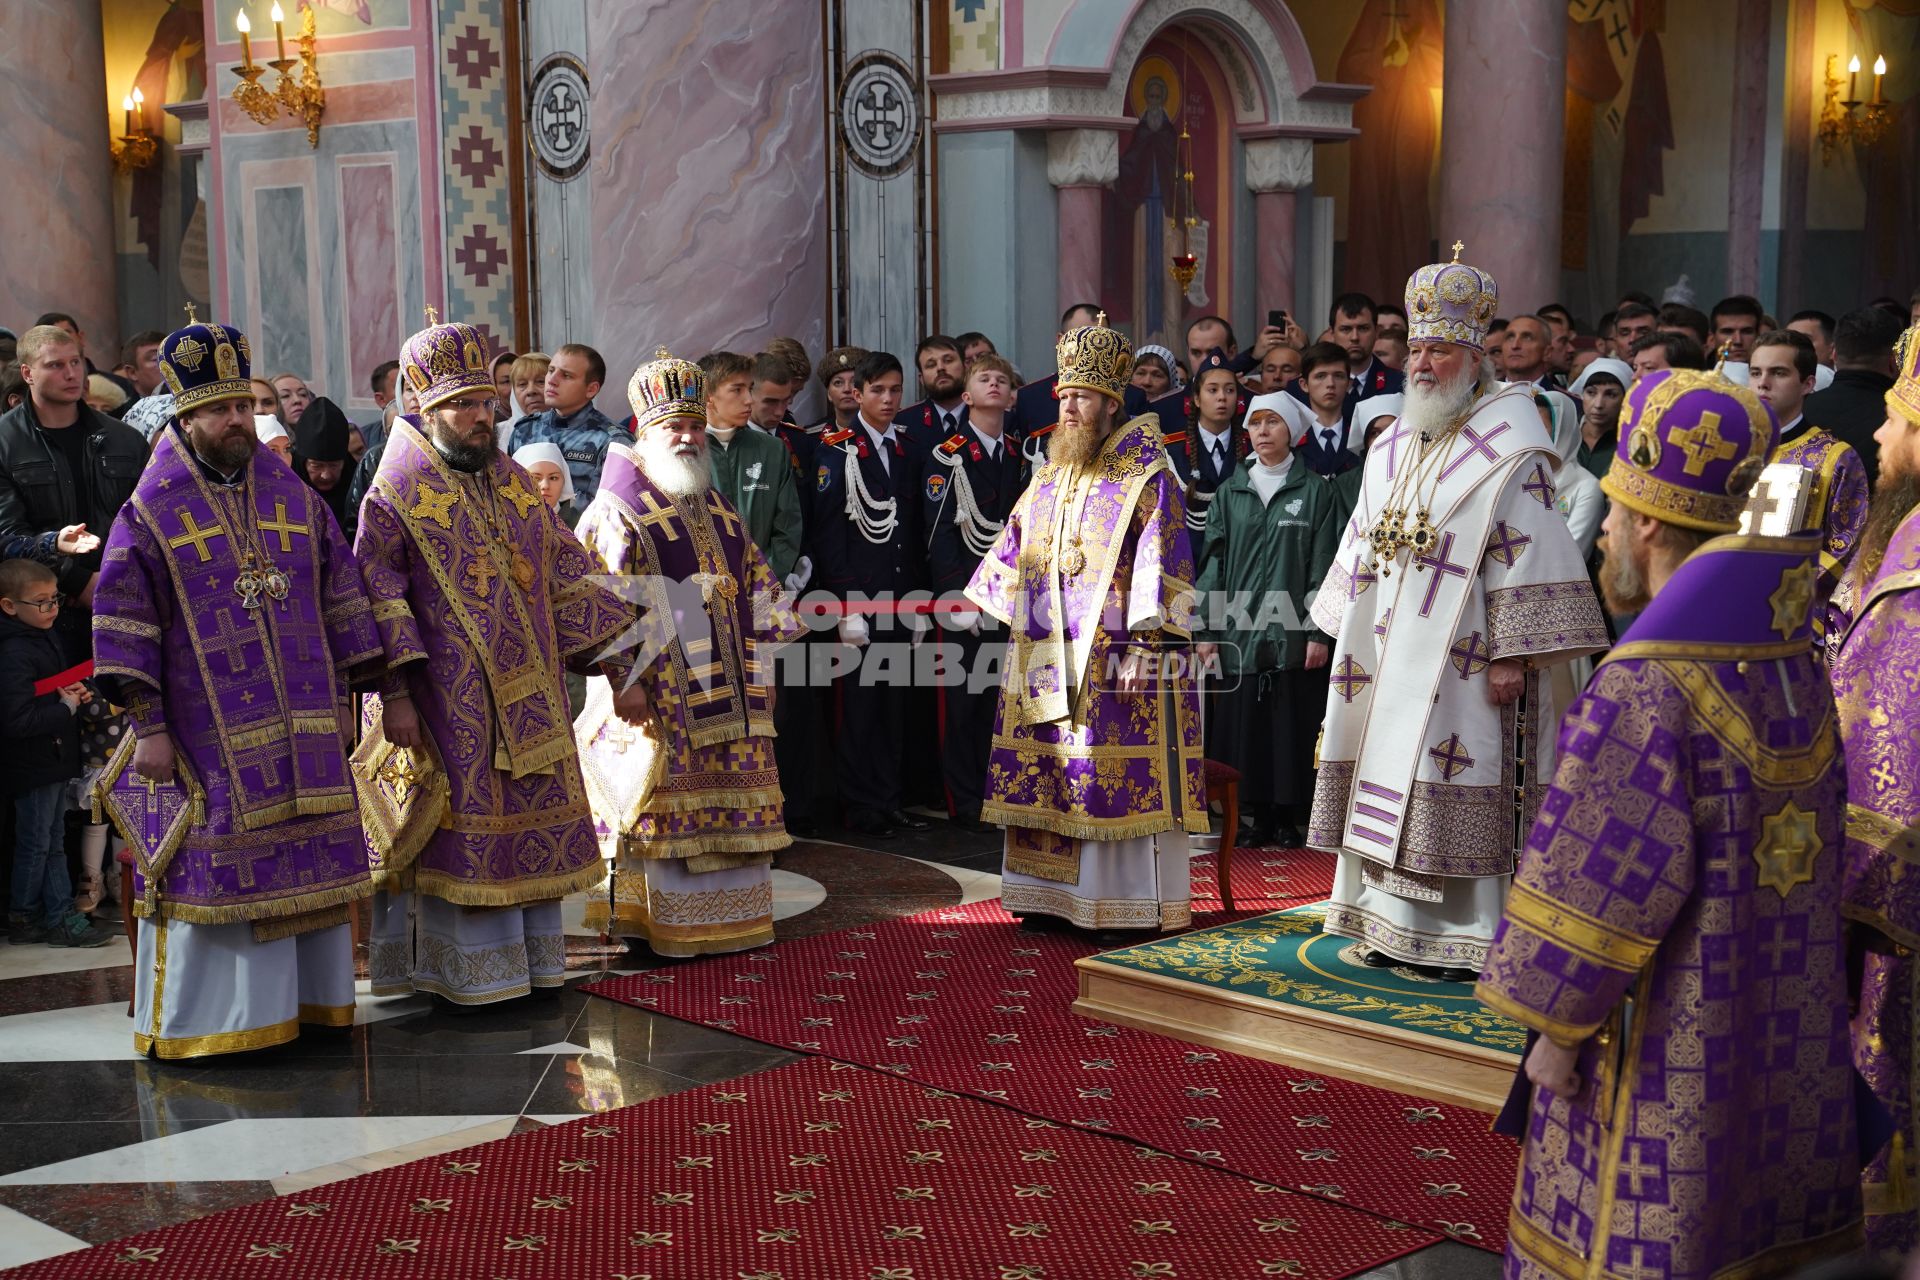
(139, 110)
(1853, 74)
(246, 44)
(126, 105)
(279, 30)
(1879, 74)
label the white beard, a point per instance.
(1431, 410)
(683, 476)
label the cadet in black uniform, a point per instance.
(972, 480)
(867, 541)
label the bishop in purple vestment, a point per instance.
(690, 807)
(228, 618)
(1673, 933)
(1096, 765)
(1876, 680)
(483, 599)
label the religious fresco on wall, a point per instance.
(1177, 84)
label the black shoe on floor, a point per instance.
(803, 830)
(872, 825)
(971, 824)
(905, 821)
(1252, 838)
(1378, 960)
(1456, 974)
(1289, 838)
(1041, 924)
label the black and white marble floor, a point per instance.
(97, 1143)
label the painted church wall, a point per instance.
(329, 254)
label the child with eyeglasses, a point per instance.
(39, 757)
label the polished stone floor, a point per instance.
(97, 1143)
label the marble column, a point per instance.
(57, 223)
(709, 202)
(1796, 151)
(1501, 123)
(1276, 169)
(1080, 165)
(1747, 156)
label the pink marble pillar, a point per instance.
(1078, 215)
(1277, 169)
(57, 223)
(1273, 230)
(1747, 158)
(1080, 163)
(1501, 121)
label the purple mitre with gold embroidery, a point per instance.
(445, 360)
(1691, 446)
(1451, 302)
(204, 364)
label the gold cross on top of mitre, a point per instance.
(1458, 249)
(191, 317)
(433, 315)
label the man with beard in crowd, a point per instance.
(1457, 581)
(943, 376)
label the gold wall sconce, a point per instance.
(303, 97)
(1849, 121)
(135, 148)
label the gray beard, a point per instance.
(1431, 412)
(679, 476)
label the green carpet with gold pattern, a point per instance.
(1285, 957)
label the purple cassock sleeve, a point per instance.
(588, 616)
(1162, 560)
(130, 616)
(1610, 862)
(385, 566)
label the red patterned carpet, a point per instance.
(812, 1171)
(1263, 880)
(959, 998)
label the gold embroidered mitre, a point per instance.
(1451, 302)
(1096, 358)
(667, 387)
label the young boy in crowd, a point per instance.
(39, 758)
(1323, 375)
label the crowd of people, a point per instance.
(1586, 649)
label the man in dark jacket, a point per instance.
(39, 757)
(1854, 405)
(62, 463)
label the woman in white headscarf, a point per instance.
(552, 479)
(1577, 493)
(274, 435)
(1578, 497)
